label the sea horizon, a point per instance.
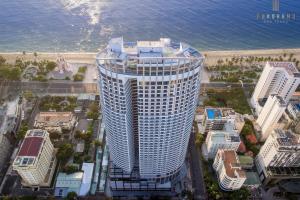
(86, 25)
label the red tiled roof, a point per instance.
(31, 146)
(251, 138)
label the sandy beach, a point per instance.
(211, 57)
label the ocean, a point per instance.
(86, 25)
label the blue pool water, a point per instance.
(213, 114)
(86, 25)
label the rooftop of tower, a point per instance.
(288, 66)
(287, 138)
(163, 48)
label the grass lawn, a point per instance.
(233, 98)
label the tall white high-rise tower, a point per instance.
(278, 78)
(149, 92)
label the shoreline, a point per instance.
(211, 57)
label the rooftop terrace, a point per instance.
(288, 66)
(287, 138)
(232, 164)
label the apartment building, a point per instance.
(230, 174)
(279, 157)
(277, 78)
(36, 160)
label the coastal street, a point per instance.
(66, 87)
(196, 170)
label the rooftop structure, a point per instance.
(294, 109)
(216, 140)
(88, 169)
(66, 183)
(279, 157)
(289, 67)
(229, 171)
(55, 121)
(35, 162)
(212, 118)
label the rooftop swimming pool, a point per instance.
(213, 113)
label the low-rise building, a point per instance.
(216, 118)
(279, 157)
(246, 162)
(216, 140)
(230, 174)
(55, 121)
(36, 161)
(66, 183)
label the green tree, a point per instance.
(82, 69)
(70, 169)
(35, 54)
(242, 193)
(2, 60)
(78, 77)
(65, 151)
(97, 143)
(50, 66)
(54, 135)
(71, 196)
(22, 131)
(199, 139)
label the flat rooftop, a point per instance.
(163, 48)
(54, 117)
(219, 113)
(288, 66)
(224, 136)
(30, 147)
(232, 164)
(287, 138)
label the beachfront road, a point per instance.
(65, 87)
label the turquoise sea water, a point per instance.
(86, 25)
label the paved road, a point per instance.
(60, 87)
(196, 170)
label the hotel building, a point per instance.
(279, 157)
(149, 92)
(230, 174)
(36, 161)
(279, 78)
(270, 115)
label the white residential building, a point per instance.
(216, 140)
(279, 157)
(149, 92)
(55, 121)
(36, 161)
(212, 118)
(230, 174)
(280, 78)
(270, 115)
